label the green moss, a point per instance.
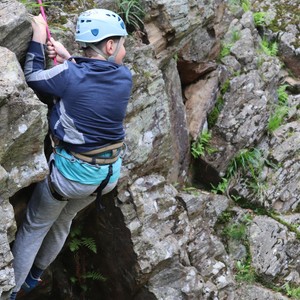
(282, 11)
(214, 114)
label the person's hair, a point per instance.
(89, 52)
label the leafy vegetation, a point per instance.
(78, 241)
(234, 5)
(292, 291)
(214, 114)
(34, 4)
(281, 110)
(245, 272)
(248, 163)
(270, 48)
(260, 18)
(277, 118)
(226, 47)
(132, 14)
(246, 5)
(78, 245)
(201, 145)
(221, 188)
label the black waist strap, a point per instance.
(101, 187)
(54, 193)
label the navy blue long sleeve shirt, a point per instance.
(93, 98)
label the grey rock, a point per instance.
(15, 27)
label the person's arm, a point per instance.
(52, 81)
(56, 50)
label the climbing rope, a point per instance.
(47, 27)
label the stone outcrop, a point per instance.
(15, 29)
(23, 125)
(159, 238)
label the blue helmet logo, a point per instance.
(95, 32)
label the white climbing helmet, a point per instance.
(95, 25)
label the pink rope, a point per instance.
(47, 27)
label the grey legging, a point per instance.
(46, 227)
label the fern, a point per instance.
(78, 241)
(94, 275)
(269, 48)
(89, 243)
(246, 5)
(76, 231)
(225, 50)
(201, 146)
(282, 95)
(260, 18)
(221, 188)
(74, 244)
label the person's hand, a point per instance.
(56, 49)
(39, 27)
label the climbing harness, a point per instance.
(47, 27)
(101, 187)
(97, 192)
(93, 157)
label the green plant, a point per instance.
(78, 241)
(248, 165)
(281, 110)
(214, 114)
(201, 145)
(236, 35)
(221, 188)
(245, 272)
(282, 95)
(191, 190)
(225, 87)
(260, 18)
(132, 14)
(234, 5)
(78, 245)
(246, 5)
(292, 291)
(246, 160)
(93, 275)
(268, 47)
(226, 47)
(277, 118)
(236, 231)
(225, 50)
(34, 4)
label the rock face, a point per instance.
(23, 125)
(201, 69)
(15, 29)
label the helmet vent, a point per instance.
(96, 25)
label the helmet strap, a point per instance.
(99, 51)
(108, 58)
(113, 57)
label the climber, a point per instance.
(86, 125)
